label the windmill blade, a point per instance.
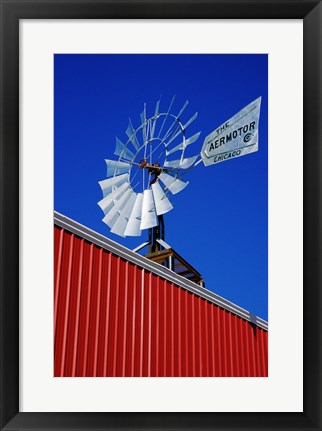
(183, 108)
(155, 119)
(133, 225)
(191, 120)
(143, 122)
(192, 139)
(174, 137)
(184, 128)
(173, 184)
(132, 136)
(162, 203)
(162, 140)
(108, 184)
(116, 167)
(121, 223)
(184, 144)
(148, 217)
(166, 116)
(181, 164)
(122, 151)
(177, 148)
(167, 134)
(175, 128)
(176, 125)
(113, 214)
(108, 201)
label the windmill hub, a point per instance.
(143, 164)
(154, 170)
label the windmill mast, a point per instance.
(155, 234)
(150, 165)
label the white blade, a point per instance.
(173, 184)
(155, 120)
(143, 118)
(191, 120)
(108, 185)
(117, 168)
(122, 151)
(167, 134)
(184, 128)
(108, 201)
(174, 137)
(121, 223)
(133, 226)
(177, 148)
(149, 217)
(183, 108)
(132, 136)
(162, 203)
(113, 214)
(166, 116)
(192, 139)
(181, 164)
(184, 144)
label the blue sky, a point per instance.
(219, 221)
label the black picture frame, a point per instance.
(11, 12)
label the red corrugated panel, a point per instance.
(113, 318)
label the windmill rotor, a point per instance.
(148, 170)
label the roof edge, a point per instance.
(112, 246)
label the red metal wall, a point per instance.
(112, 318)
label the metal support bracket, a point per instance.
(139, 247)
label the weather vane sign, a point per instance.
(235, 138)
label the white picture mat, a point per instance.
(282, 391)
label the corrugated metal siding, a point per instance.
(113, 318)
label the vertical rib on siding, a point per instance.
(112, 318)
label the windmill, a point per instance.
(150, 165)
